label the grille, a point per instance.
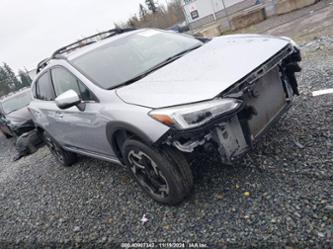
(269, 101)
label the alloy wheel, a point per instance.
(148, 174)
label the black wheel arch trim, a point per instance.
(113, 127)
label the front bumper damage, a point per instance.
(267, 93)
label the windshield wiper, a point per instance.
(178, 55)
(159, 65)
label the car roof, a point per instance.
(85, 45)
(79, 52)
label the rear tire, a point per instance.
(164, 175)
(64, 157)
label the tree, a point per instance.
(13, 82)
(163, 17)
(142, 11)
(133, 22)
(151, 5)
(4, 86)
(175, 11)
(24, 78)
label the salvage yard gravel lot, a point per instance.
(282, 193)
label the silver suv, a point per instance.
(145, 98)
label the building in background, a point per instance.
(236, 14)
(201, 12)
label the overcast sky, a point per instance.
(30, 30)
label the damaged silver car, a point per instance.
(145, 98)
(15, 118)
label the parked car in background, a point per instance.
(15, 118)
(143, 98)
(180, 27)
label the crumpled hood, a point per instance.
(19, 116)
(203, 73)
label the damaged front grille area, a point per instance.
(266, 93)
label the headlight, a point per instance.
(292, 42)
(194, 115)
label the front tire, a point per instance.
(65, 158)
(164, 177)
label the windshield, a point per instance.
(16, 102)
(126, 58)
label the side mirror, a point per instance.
(68, 99)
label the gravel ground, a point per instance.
(281, 194)
(302, 25)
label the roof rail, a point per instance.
(42, 64)
(82, 43)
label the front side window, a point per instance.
(44, 88)
(128, 57)
(63, 81)
(16, 102)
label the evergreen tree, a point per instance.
(132, 22)
(24, 78)
(4, 86)
(142, 11)
(13, 82)
(152, 6)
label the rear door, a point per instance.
(80, 129)
(43, 107)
